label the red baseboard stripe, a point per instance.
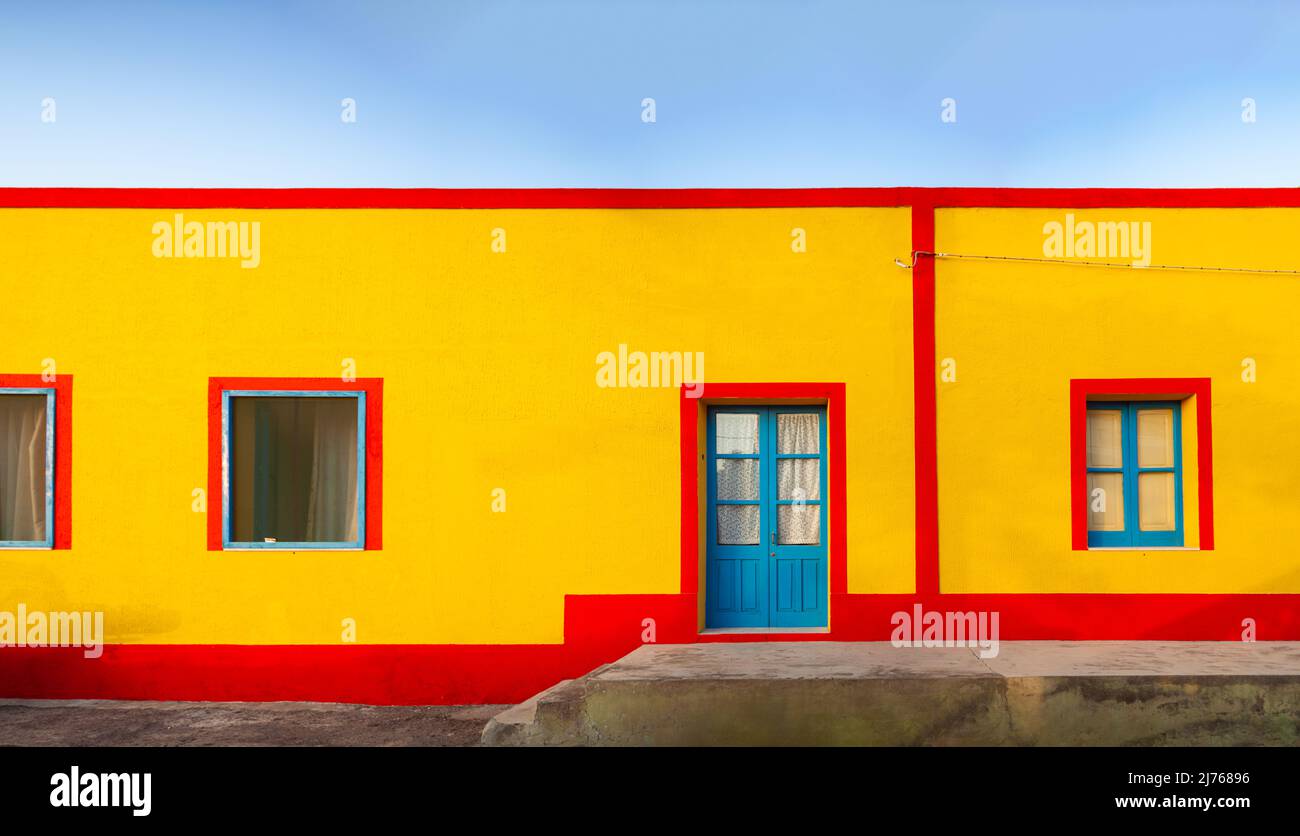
(598, 629)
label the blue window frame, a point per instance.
(15, 443)
(1135, 474)
(258, 509)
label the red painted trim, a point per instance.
(597, 629)
(1205, 467)
(688, 417)
(839, 507)
(376, 674)
(1078, 467)
(837, 469)
(216, 507)
(1137, 388)
(639, 198)
(448, 198)
(1090, 616)
(62, 386)
(374, 389)
(1087, 198)
(925, 405)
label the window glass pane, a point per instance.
(293, 473)
(1105, 447)
(1156, 501)
(799, 478)
(738, 525)
(1105, 502)
(737, 478)
(737, 433)
(22, 467)
(798, 433)
(1155, 436)
(798, 524)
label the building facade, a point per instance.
(443, 446)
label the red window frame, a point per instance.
(1142, 388)
(374, 389)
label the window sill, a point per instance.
(288, 547)
(1143, 549)
(763, 631)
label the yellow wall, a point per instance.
(1019, 332)
(488, 363)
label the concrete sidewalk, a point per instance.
(871, 693)
(130, 723)
(814, 693)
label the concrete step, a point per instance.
(875, 694)
(518, 725)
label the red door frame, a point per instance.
(715, 394)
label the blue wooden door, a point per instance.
(798, 535)
(766, 533)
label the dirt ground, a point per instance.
(126, 723)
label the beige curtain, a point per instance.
(1105, 490)
(332, 503)
(1155, 436)
(22, 467)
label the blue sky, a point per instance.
(548, 93)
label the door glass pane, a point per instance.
(737, 478)
(799, 525)
(798, 433)
(293, 469)
(737, 433)
(22, 467)
(1155, 431)
(798, 478)
(1104, 438)
(1105, 502)
(738, 525)
(1156, 501)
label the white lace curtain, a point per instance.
(798, 479)
(798, 432)
(22, 467)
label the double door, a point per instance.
(767, 504)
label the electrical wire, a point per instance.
(1069, 262)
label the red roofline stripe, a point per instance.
(130, 198)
